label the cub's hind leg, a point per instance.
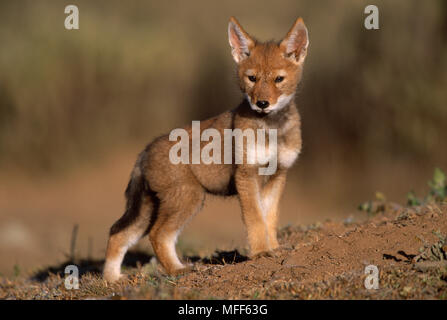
(178, 204)
(130, 227)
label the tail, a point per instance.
(136, 189)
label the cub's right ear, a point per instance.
(240, 42)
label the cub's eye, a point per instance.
(279, 79)
(252, 78)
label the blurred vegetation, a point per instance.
(136, 69)
(437, 193)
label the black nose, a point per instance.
(262, 104)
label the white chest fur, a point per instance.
(287, 156)
(281, 152)
(284, 155)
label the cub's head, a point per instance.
(269, 72)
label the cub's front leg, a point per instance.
(253, 214)
(271, 194)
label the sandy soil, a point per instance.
(320, 261)
(329, 252)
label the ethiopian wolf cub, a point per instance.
(162, 195)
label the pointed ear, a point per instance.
(296, 42)
(240, 42)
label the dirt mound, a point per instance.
(321, 255)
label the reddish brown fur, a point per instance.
(163, 197)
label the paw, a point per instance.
(113, 276)
(182, 271)
(264, 254)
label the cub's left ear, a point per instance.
(296, 42)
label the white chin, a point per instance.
(259, 110)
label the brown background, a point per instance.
(77, 106)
